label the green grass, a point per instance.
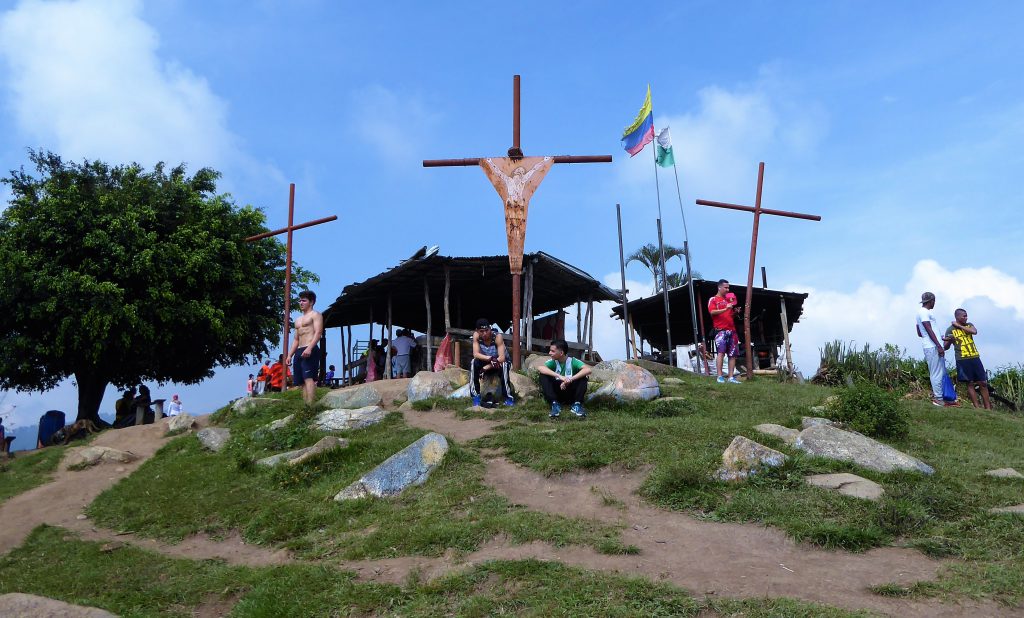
(135, 583)
(185, 490)
(28, 469)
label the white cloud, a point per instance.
(394, 125)
(876, 314)
(85, 80)
(717, 146)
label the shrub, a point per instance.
(888, 367)
(1008, 381)
(870, 410)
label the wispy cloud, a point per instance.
(394, 125)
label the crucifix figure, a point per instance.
(758, 211)
(516, 178)
(288, 259)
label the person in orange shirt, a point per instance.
(276, 375)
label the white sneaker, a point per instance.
(734, 381)
(721, 380)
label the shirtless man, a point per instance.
(304, 356)
(489, 354)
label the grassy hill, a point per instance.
(184, 490)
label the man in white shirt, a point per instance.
(403, 344)
(934, 352)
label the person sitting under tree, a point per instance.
(489, 354)
(309, 328)
(969, 367)
(563, 380)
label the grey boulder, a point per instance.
(84, 456)
(246, 405)
(1005, 473)
(214, 438)
(343, 420)
(352, 397)
(628, 383)
(408, 467)
(834, 443)
(298, 456)
(181, 422)
(745, 457)
(18, 605)
(427, 384)
(848, 485)
(785, 434)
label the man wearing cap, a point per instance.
(934, 352)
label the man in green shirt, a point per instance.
(563, 380)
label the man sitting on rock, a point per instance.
(564, 380)
(489, 354)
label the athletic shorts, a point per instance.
(727, 342)
(400, 364)
(970, 370)
(305, 368)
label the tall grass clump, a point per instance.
(888, 367)
(1008, 381)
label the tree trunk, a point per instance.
(90, 395)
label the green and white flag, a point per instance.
(663, 147)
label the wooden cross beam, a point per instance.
(758, 211)
(288, 259)
(516, 178)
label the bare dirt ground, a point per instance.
(705, 558)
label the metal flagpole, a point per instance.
(622, 268)
(661, 245)
(686, 248)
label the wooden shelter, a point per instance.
(768, 312)
(437, 294)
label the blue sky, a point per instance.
(899, 123)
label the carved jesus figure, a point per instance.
(515, 180)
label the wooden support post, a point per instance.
(586, 327)
(322, 370)
(590, 344)
(371, 326)
(632, 338)
(456, 353)
(529, 308)
(447, 289)
(430, 342)
(344, 358)
(579, 325)
(387, 352)
(785, 336)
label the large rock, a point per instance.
(410, 466)
(835, 443)
(460, 393)
(785, 434)
(342, 420)
(18, 605)
(83, 456)
(298, 456)
(1017, 509)
(605, 371)
(456, 376)
(352, 397)
(427, 384)
(533, 363)
(848, 485)
(524, 386)
(280, 423)
(247, 405)
(1005, 473)
(672, 382)
(181, 422)
(214, 438)
(745, 457)
(811, 421)
(630, 383)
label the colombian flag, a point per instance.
(641, 132)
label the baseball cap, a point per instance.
(927, 297)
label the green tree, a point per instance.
(116, 275)
(650, 257)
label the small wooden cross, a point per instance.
(757, 210)
(515, 178)
(288, 260)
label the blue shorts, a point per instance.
(305, 368)
(400, 364)
(970, 370)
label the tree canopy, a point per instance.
(116, 275)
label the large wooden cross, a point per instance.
(515, 178)
(758, 211)
(288, 259)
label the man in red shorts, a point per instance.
(726, 339)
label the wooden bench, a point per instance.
(158, 411)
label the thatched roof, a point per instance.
(479, 287)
